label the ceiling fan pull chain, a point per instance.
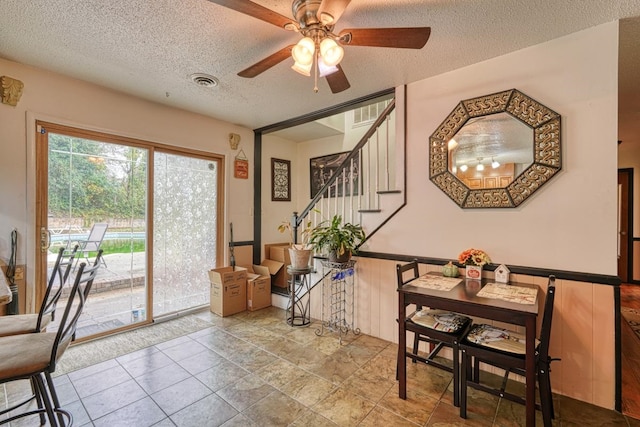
(315, 72)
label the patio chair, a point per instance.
(34, 356)
(93, 241)
(32, 322)
(438, 328)
(505, 350)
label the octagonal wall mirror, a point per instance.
(495, 151)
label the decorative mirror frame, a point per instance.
(547, 151)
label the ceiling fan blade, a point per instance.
(252, 9)
(332, 10)
(408, 38)
(338, 81)
(267, 62)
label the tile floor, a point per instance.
(254, 370)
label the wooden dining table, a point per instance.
(463, 298)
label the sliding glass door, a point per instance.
(185, 206)
(160, 209)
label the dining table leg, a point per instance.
(530, 370)
(402, 348)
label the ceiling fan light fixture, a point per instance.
(331, 52)
(305, 70)
(326, 18)
(324, 69)
(303, 51)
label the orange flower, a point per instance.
(473, 257)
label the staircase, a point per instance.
(368, 186)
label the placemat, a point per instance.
(437, 283)
(517, 294)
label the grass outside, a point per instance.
(115, 247)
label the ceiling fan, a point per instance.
(320, 48)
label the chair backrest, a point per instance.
(402, 269)
(59, 276)
(545, 329)
(93, 242)
(77, 298)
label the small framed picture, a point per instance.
(280, 180)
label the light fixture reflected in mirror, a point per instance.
(463, 168)
(452, 144)
(494, 163)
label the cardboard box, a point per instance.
(228, 290)
(278, 253)
(258, 288)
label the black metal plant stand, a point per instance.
(299, 305)
(338, 298)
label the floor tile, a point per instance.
(201, 361)
(137, 354)
(99, 381)
(312, 418)
(279, 372)
(252, 358)
(308, 388)
(240, 421)
(89, 370)
(142, 413)
(147, 363)
(221, 375)
(106, 401)
(155, 381)
(245, 392)
(210, 411)
(184, 350)
(344, 408)
(276, 409)
(382, 417)
(417, 407)
(448, 415)
(180, 395)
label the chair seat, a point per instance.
(440, 320)
(22, 355)
(21, 324)
(497, 338)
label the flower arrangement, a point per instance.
(473, 257)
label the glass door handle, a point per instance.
(45, 239)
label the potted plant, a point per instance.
(299, 253)
(339, 239)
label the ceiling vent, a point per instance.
(204, 80)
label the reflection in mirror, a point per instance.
(490, 151)
(495, 151)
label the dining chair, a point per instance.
(506, 350)
(34, 356)
(37, 322)
(437, 328)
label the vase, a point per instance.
(450, 270)
(473, 272)
(299, 258)
(341, 259)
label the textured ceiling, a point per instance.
(149, 48)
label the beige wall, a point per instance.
(56, 98)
